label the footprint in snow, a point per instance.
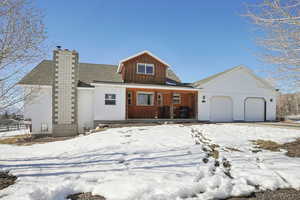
(127, 135)
(121, 160)
(142, 129)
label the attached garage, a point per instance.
(221, 109)
(255, 109)
(236, 94)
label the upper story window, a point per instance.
(144, 68)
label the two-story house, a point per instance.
(65, 97)
(70, 96)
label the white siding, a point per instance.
(85, 109)
(38, 108)
(238, 85)
(109, 112)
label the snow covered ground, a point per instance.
(157, 163)
(14, 133)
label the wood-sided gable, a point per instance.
(130, 75)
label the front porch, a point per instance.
(160, 104)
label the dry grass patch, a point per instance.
(232, 149)
(292, 148)
(214, 151)
(85, 196)
(14, 139)
(267, 145)
(28, 139)
(215, 154)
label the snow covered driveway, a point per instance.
(159, 162)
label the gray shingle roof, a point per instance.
(172, 76)
(42, 74)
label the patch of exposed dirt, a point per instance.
(293, 148)
(6, 180)
(281, 194)
(29, 139)
(85, 196)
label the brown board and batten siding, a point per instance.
(188, 99)
(130, 75)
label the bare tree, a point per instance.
(22, 34)
(288, 105)
(278, 23)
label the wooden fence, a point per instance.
(13, 127)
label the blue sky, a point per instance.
(197, 38)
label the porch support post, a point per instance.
(196, 105)
(156, 105)
(171, 107)
(126, 103)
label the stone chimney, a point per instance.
(64, 92)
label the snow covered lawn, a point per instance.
(157, 163)
(14, 133)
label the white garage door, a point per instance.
(254, 109)
(221, 109)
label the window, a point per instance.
(129, 98)
(145, 99)
(44, 127)
(159, 99)
(143, 68)
(110, 99)
(176, 98)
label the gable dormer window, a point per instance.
(144, 68)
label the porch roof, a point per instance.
(148, 86)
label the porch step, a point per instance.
(143, 121)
